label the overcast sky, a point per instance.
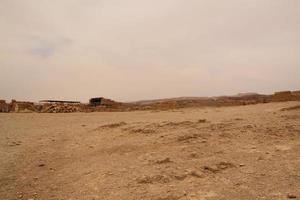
(146, 49)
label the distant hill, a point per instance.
(195, 99)
(146, 102)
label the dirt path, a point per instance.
(247, 152)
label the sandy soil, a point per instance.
(244, 152)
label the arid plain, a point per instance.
(239, 152)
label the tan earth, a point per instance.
(242, 152)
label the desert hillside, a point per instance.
(240, 152)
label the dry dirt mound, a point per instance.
(291, 108)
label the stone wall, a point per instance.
(282, 96)
(286, 96)
(22, 106)
(296, 95)
(4, 107)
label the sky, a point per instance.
(140, 49)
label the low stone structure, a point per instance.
(59, 108)
(101, 101)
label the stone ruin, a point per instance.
(17, 106)
(56, 106)
(99, 104)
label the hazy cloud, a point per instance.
(43, 51)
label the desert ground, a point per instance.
(240, 152)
